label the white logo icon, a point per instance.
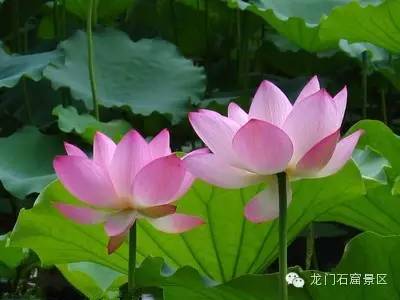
(295, 279)
(298, 282)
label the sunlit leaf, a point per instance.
(392, 72)
(379, 209)
(10, 258)
(295, 20)
(367, 253)
(93, 280)
(374, 21)
(375, 54)
(226, 247)
(371, 164)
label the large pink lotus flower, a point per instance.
(125, 182)
(275, 136)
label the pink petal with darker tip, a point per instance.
(103, 149)
(115, 242)
(131, 155)
(318, 156)
(262, 147)
(310, 88)
(237, 114)
(85, 180)
(210, 168)
(158, 211)
(159, 145)
(341, 155)
(120, 222)
(340, 101)
(311, 120)
(81, 215)
(159, 181)
(270, 104)
(265, 205)
(216, 131)
(74, 150)
(176, 223)
(189, 177)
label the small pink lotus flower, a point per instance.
(275, 136)
(125, 182)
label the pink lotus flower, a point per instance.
(275, 136)
(125, 182)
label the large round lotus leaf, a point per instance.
(377, 23)
(13, 67)
(285, 9)
(379, 209)
(148, 75)
(26, 161)
(226, 247)
(294, 19)
(367, 253)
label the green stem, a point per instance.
(26, 39)
(63, 20)
(89, 25)
(206, 13)
(383, 105)
(27, 99)
(173, 21)
(364, 72)
(262, 37)
(128, 13)
(315, 259)
(242, 40)
(282, 235)
(239, 46)
(14, 208)
(95, 12)
(62, 27)
(132, 263)
(56, 20)
(310, 246)
(16, 24)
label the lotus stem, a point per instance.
(15, 26)
(28, 107)
(56, 20)
(173, 21)
(63, 20)
(282, 235)
(132, 293)
(206, 13)
(243, 46)
(239, 43)
(27, 99)
(310, 246)
(383, 105)
(364, 75)
(92, 76)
